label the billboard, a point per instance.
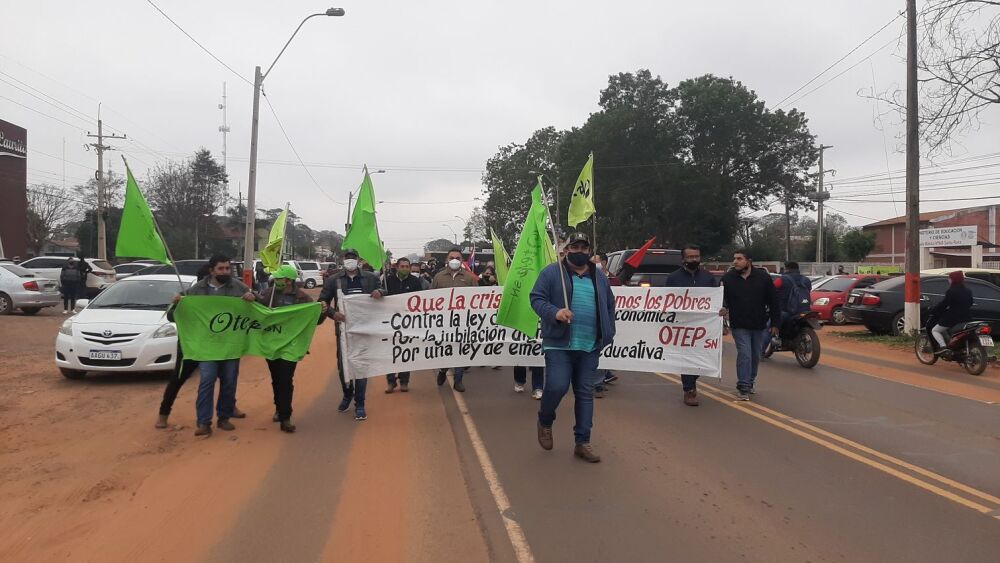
(13, 190)
(949, 236)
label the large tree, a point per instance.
(49, 210)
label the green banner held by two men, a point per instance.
(534, 252)
(225, 328)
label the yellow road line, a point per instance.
(721, 397)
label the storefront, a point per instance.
(13, 191)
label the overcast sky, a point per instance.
(429, 90)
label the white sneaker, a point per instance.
(65, 312)
(536, 394)
(518, 388)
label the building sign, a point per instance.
(12, 146)
(949, 236)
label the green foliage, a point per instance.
(857, 244)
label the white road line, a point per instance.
(514, 532)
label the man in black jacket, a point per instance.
(400, 282)
(353, 280)
(955, 308)
(691, 274)
(751, 299)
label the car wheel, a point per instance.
(30, 310)
(838, 317)
(310, 283)
(72, 373)
(898, 325)
(6, 304)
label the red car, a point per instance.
(829, 298)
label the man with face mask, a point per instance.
(751, 300)
(691, 274)
(219, 282)
(352, 281)
(283, 293)
(453, 275)
(573, 335)
(400, 282)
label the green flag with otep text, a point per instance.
(226, 328)
(533, 253)
(137, 234)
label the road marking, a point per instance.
(784, 422)
(514, 532)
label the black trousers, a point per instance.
(282, 373)
(182, 372)
(404, 378)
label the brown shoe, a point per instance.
(691, 398)
(203, 430)
(224, 424)
(161, 421)
(237, 413)
(287, 426)
(404, 387)
(544, 437)
(586, 453)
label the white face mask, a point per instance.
(350, 264)
(454, 264)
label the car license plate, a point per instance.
(986, 341)
(105, 354)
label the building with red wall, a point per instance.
(890, 236)
(13, 190)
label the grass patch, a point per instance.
(886, 340)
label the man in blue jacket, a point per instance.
(691, 274)
(573, 335)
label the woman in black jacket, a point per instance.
(70, 281)
(955, 308)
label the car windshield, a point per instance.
(17, 270)
(101, 264)
(137, 294)
(836, 285)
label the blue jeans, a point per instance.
(537, 377)
(749, 344)
(227, 372)
(562, 368)
(689, 382)
(459, 374)
(356, 390)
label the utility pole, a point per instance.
(911, 309)
(224, 129)
(819, 197)
(788, 230)
(100, 147)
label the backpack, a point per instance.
(797, 298)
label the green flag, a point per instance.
(224, 328)
(533, 253)
(581, 207)
(500, 258)
(137, 233)
(363, 235)
(271, 254)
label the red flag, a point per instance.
(636, 259)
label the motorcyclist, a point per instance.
(955, 308)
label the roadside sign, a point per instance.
(949, 236)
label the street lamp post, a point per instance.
(258, 80)
(453, 233)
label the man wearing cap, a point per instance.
(573, 335)
(352, 281)
(283, 293)
(453, 275)
(401, 281)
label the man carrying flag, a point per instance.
(574, 301)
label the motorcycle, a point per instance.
(798, 335)
(969, 344)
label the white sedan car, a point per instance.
(123, 329)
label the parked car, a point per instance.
(123, 271)
(184, 267)
(991, 276)
(656, 265)
(310, 273)
(880, 307)
(21, 289)
(830, 294)
(124, 329)
(102, 276)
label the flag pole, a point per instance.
(555, 239)
(594, 225)
(156, 225)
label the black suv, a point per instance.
(656, 265)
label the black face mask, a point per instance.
(692, 265)
(578, 259)
(223, 279)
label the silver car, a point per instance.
(21, 289)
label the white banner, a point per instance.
(950, 236)
(676, 330)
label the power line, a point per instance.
(77, 127)
(851, 214)
(843, 72)
(56, 104)
(196, 42)
(921, 200)
(296, 153)
(946, 163)
(838, 61)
